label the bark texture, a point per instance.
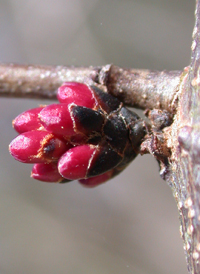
(183, 139)
(137, 88)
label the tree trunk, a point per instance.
(183, 139)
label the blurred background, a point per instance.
(130, 224)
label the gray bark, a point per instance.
(183, 139)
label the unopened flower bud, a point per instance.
(76, 93)
(89, 136)
(28, 120)
(57, 119)
(96, 180)
(69, 120)
(46, 172)
(36, 147)
(74, 163)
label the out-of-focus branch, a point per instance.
(138, 88)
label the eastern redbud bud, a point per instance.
(89, 136)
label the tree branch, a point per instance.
(137, 88)
(41, 82)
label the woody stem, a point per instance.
(137, 88)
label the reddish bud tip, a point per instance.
(36, 147)
(77, 93)
(46, 172)
(28, 120)
(74, 163)
(97, 180)
(56, 118)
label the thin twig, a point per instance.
(138, 88)
(31, 81)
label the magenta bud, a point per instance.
(56, 118)
(97, 180)
(46, 172)
(77, 93)
(28, 120)
(36, 147)
(74, 163)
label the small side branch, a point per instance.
(41, 82)
(137, 88)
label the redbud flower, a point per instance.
(89, 136)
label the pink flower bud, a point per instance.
(77, 93)
(96, 180)
(70, 120)
(28, 120)
(74, 163)
(36, 147)
(89, 136)
(46, 172)
(56, 118)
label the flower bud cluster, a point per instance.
(88, 136)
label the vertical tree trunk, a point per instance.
(184, 162)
